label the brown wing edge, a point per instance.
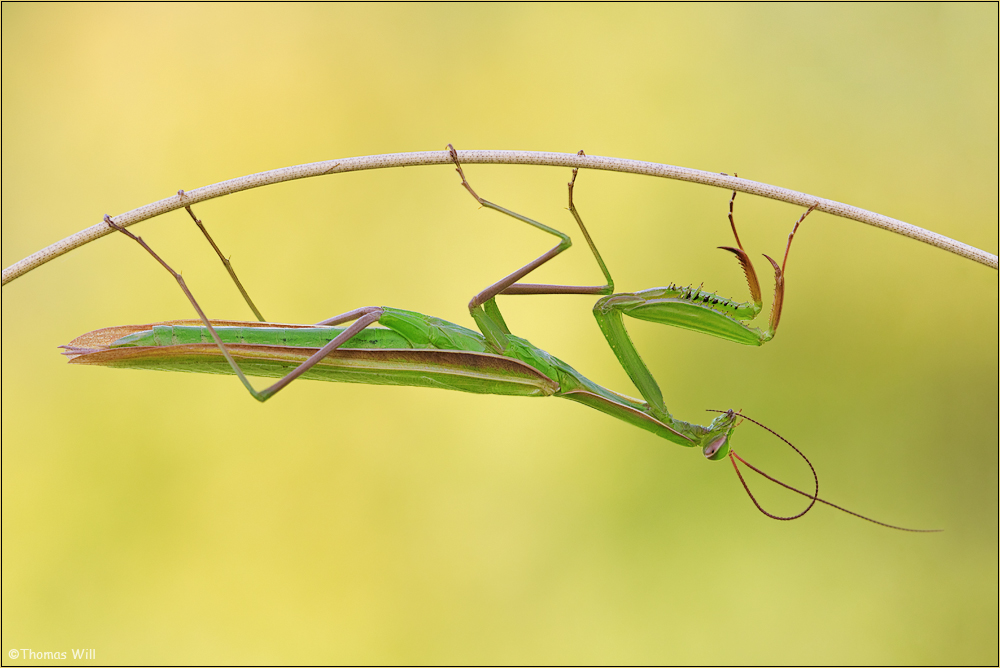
(428, 362)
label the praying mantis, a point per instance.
(413, 349)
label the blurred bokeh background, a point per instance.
(169, 518)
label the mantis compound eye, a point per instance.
(718, 448)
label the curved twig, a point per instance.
(493, 157)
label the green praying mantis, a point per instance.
(412, 349)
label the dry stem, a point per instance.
(494, 157)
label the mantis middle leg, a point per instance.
(483, 306)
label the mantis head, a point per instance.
(717, 441)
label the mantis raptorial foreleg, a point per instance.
(705, 312)
(694, 309)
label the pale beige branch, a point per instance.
(494, 157)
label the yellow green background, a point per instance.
(169, 518)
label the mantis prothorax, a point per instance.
(418, 350)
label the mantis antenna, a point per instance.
(814, 497)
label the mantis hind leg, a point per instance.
(225, 261)
(363, 317)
